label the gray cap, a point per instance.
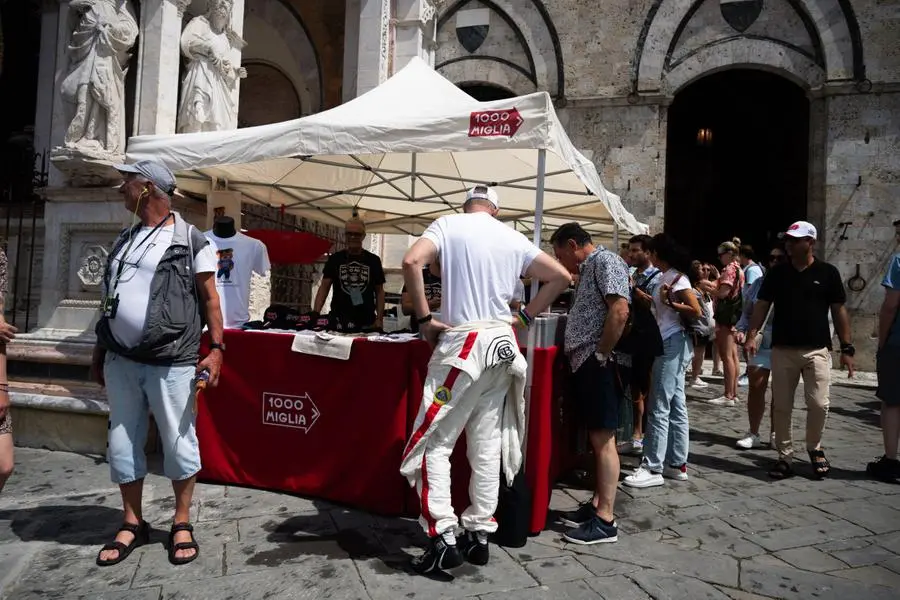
(154, 171)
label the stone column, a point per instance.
(373, 65)
(43, 114)
(351, 49)
(159, 59)
(414, 31)
(237, 25)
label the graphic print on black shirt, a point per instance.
(802, 302)
(355, 279)
(433, 290)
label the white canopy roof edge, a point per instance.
(402, 155)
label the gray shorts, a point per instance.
(888, 370)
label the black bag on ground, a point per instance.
(513, 512)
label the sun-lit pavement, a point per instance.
(729, 532)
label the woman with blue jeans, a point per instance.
(666, 438)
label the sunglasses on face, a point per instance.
(354, 235)
(776, 257)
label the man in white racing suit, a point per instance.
(476, 375)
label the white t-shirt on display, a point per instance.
(237, 256)
(133, 288)
(481, 261)
(668, 319)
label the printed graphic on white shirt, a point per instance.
(294, 412)
(224, 266)
(354, 277)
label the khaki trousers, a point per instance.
(788, 365)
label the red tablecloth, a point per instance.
(343, 444)
(336, 429)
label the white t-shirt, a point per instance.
(481, 261)
(668, 319)
(237, 256)
(133, 286)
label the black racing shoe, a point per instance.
(884, 469)
(439, 556)
(580, 516)
(474, 547)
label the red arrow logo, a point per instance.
(495, 123)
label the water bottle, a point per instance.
(202, 379)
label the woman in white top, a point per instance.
(666, 437)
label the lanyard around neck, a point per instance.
(131, 250)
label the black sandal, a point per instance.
(821, 466)
(781, 470)
(141, 533)
(173, 547)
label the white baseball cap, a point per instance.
(483, 192)
(801, 229)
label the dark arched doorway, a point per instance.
(485, 92)
(737, 160)
(267, 96)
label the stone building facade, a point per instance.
(803, 97)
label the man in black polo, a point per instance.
(804, 290)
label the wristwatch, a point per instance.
(601, 357)
(848, 350)
(217, 346)
(424, 319)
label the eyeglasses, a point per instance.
(776, 257)
(354, 234)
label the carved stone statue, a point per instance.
(212, 49)
(94, 85)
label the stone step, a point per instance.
(59, 415)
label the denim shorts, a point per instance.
(134, 390)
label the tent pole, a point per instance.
(532, 331)
(616, 237)
(412, 179)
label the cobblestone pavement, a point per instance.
(729, 532)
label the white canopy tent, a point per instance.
(402, 155)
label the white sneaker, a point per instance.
(751, 440)
(676, 473)
(722, 401)
(743, 381)
(698, 384)
(631, 447)
(642, 478)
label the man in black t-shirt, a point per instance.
(432, 294)
(804, 291)
(357, 279)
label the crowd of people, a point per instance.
(780, 316)
(639, 326)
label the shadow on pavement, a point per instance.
(69, 524)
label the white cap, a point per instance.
(801, 229)
(483, 192)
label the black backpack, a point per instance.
(641, 335)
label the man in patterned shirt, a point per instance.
(595, 324)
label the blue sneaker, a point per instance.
(576, 518)
(594, 531)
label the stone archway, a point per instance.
(833, 43)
